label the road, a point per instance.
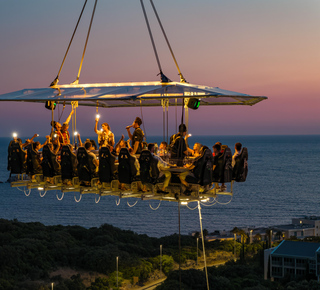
(156, 283)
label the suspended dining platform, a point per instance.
(133, 94)
(112, 189)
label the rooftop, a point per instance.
(312, 217)
(297, 249)
(293, 227)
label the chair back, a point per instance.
(106, 165)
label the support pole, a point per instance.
(203, 248)
(234, 246)
(179, 248)
(117, 272)
(160, 261)
(197, 250)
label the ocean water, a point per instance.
(283, 182)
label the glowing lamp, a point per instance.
(75, 133)
(14, 135)
(97, 116)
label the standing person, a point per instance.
(237, 148)
(178, 146)
(64, 136)
(137, 136)
(105, 136)
(57, 126)
(218, 153)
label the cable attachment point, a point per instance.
(163, 78)
(55, 82)
(76, 82)
(182, 79)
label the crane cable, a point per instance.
(85, 46)
(144, 128)
(56, 80)
(182, 79)
(163, 78)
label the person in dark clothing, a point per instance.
(217, 153)
(137, 136)
(178, 146)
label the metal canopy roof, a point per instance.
(131, 94)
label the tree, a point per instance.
(167, 264)
(257, 237)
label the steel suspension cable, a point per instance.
(164, 123)
(162, 76)
(56, 80)
(167, 122)
(60, 115)
(144, 128)
(182, 79)
(176, 113)
(85, 46)
(179, 246)
(72, 123)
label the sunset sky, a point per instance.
(268, 48)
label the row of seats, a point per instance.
(82, 166)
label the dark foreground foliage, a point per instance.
(29, 252)
(246, 275)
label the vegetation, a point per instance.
(32, 256)
(31, 252)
